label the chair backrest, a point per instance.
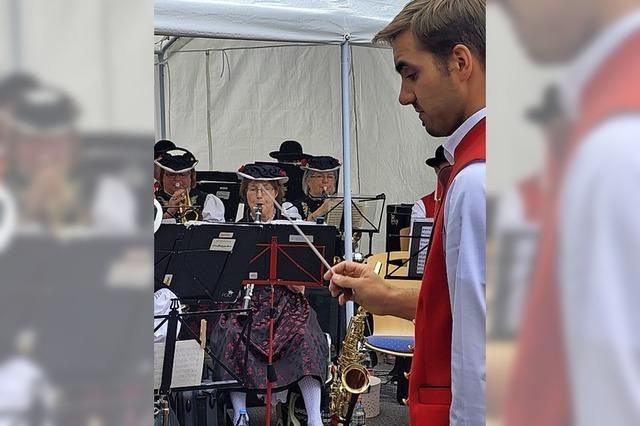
(395, 258)
(405, 241)
(389, 325)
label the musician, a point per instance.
(319, 181)
(426, 206)
(290, 152)
(300, 348)
(160, 148)
(177, 179)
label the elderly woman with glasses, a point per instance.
(300, 349)
(320, 180)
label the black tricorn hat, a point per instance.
(437, 159)
(289, 151)
(177, 160)
(321, 163)
(264, 172)
(44, 111)
(549, 108)
(162, 146)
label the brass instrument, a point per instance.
(187, 212)
(351, 378)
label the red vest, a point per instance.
(430, 380)
(532, 197)
(429, 202)
(540, 393)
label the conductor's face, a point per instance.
(428, 87)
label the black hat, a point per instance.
(289, 151)
(177, 160)
(14, 86)
(550, 107)
(437, 159)
(44, 111)
(321, 163)
(265, 172)
(162, 146)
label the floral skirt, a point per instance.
(299, 345)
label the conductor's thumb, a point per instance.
(344, 281)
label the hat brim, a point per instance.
(289, 156)
(283, 179)
(434, 162)
(157, 163)
(322, 170)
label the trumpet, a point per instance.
(187, 212)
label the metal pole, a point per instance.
(161, 97)
(16, 34)
(346, 158)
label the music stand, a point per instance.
(418, 250)
(281, 254)
(366, 214)
(206, 261)
(420, 238)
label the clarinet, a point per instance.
(258, 213)
(246, 300)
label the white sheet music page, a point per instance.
(187, 364)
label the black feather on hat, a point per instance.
(289, 151)
(177, 160)
(321, 163)
(264, 172)
(438, 159)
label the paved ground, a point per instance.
(391, 413)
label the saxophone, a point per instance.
(352, 378)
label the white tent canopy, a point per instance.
(236, 92)
(322, 21)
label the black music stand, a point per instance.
(283, 258)
(420, 240)
(204, 262)
(366, 214)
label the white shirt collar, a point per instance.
(456, 137)
(583, 69)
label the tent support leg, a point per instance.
(345, 51)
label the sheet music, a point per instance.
(334, 217)
(187, 364)
(421, 229)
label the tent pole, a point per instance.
(161, 93)
(16, 34)
(346, 157)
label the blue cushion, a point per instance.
(392, 343)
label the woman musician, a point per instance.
(300, 349)
(177, 180)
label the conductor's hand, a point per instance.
(358, 282)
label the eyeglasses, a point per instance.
(177, 175)
(328, 177)
(257, 189)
